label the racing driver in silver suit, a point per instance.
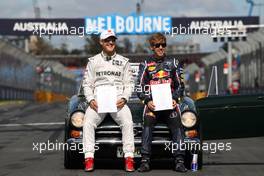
(108, 69)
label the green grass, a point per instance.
(12, 102)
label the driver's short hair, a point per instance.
(157, 37)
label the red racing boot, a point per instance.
(129, 164)
(89, 164)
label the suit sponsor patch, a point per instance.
(108, 73)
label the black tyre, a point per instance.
(67, 156)
(200, 160)
(200, 152)
(68, 164)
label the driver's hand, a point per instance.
(93, 105)
(151, 105)
(120, 103)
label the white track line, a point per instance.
(31, 124)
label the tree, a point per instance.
(140, 49)
(127, 45)
(41, 47)
(120, 49)
(64, 49)
(92, 45)
(76, 51)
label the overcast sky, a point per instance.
(82, 8)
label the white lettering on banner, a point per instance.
(90, 26)
(130, 24)
(101, 23)
(31, 26)
(138, 24)
(166, 23)
(147, 27)
(42, 27)
(16, 27)
(216, 24)
(157, 24)
(119, 24)
(109, 22)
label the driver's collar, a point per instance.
(159, 59)
(107, 58)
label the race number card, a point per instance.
(106, 99)
(162, 97)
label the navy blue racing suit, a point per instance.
(158, 71)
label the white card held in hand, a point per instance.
(106, 99)
(162, 97)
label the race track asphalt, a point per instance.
(24, 125)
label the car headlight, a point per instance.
(188, 119)
(77, 119)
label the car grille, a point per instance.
(114, 131)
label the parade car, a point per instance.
(108, 134)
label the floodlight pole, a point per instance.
(229, 61)
(216, 81)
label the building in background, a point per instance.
(184, 47)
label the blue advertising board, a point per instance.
(132, 24)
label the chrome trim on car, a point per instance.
(136, 132)
(160, 132)
(117, 141)
(192, 140)
(137, 141)
(108, 132)
(107, 127)
(135, 125)
(161, 127)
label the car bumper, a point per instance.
(107, 148)
(113, 141)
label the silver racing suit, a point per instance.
(104, 70)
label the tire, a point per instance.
(72, 159)
(200, 153)
(67, 156)
(200, 160)
(68, 164)
(68, 160)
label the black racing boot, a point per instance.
(144, 166)
(179, 165)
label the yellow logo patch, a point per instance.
(151, 68)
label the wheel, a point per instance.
(200, 153)
(72, 159)
(68, 164)
(200, 160)
(67, 153)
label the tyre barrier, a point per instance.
(11, 93)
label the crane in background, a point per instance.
(36, 8)
(251, 7)
(139, 6)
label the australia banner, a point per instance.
(122, 25)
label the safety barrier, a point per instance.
(11, 93)
(25, 77)
(248, 65)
